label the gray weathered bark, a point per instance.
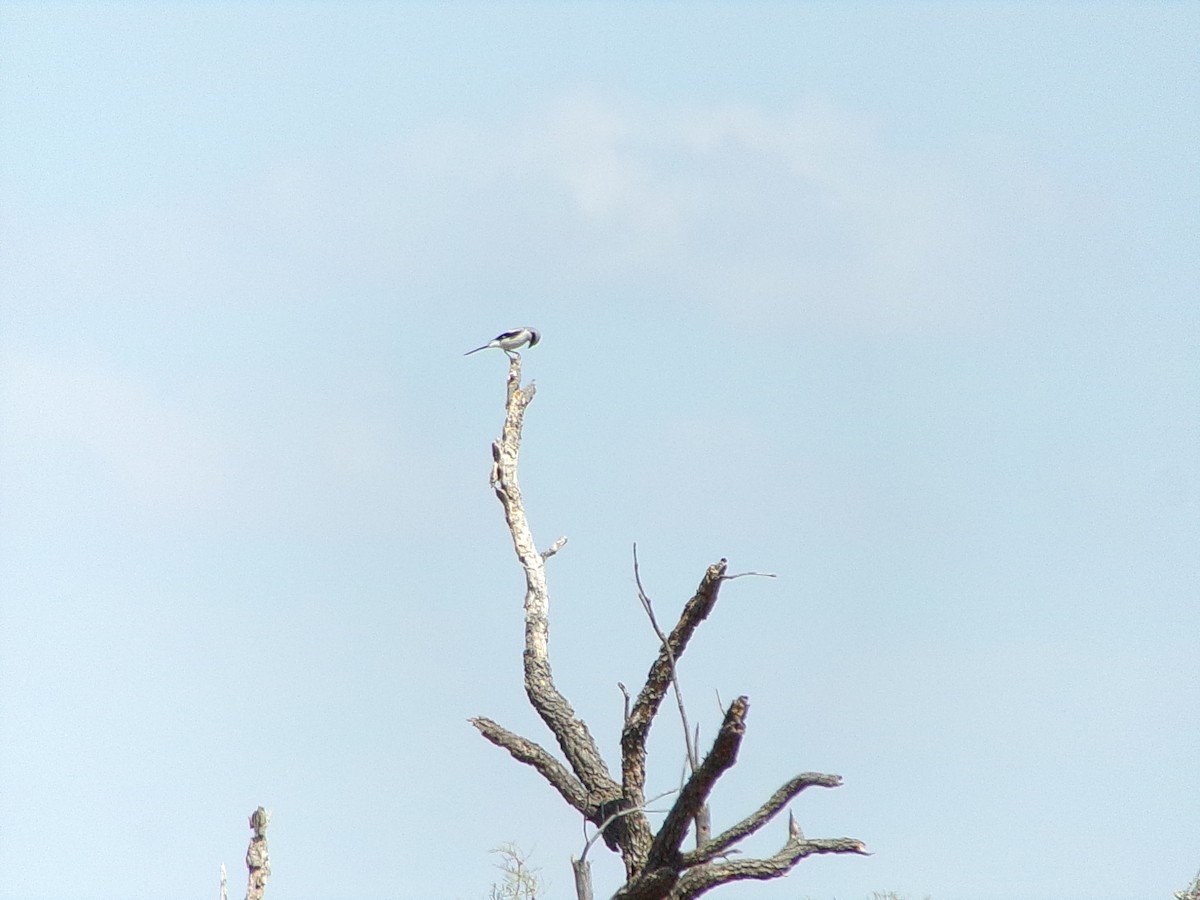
(655, 865)
(258, 863)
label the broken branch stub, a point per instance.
(258, 862)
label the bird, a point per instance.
(510, 341)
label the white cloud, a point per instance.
(764, 215)
(771, 217)
(765, 218)
(797, 214)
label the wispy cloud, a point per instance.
(804, 213)
(788, 215)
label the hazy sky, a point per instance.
(898, 302)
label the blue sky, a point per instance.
(899, 303)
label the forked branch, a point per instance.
(701, 879)
(656, 868)
(760, 816)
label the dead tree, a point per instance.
(258, 863)
(656, 865)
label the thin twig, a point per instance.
(642, 809)
(687, 735)
(555, 547)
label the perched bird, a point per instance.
(510, 340)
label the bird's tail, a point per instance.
(477, 349)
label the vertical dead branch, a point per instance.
(703, 820)
(665, 849)
(637, 726)
(600, 795)
(582, 869)
(573, 737)
(665, 645)
(258, 863)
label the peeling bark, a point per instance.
(258, 863)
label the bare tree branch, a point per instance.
(603, 826)
(665, 645)
(637, 726)
(526, 751)
(704, 816)
(555, 547)
(665, 849)
(258, 863)
(649, 885)
(582, 870)
(760, 816)
(656, 868)
(703, 819)
(571, 733)
(701, 879)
